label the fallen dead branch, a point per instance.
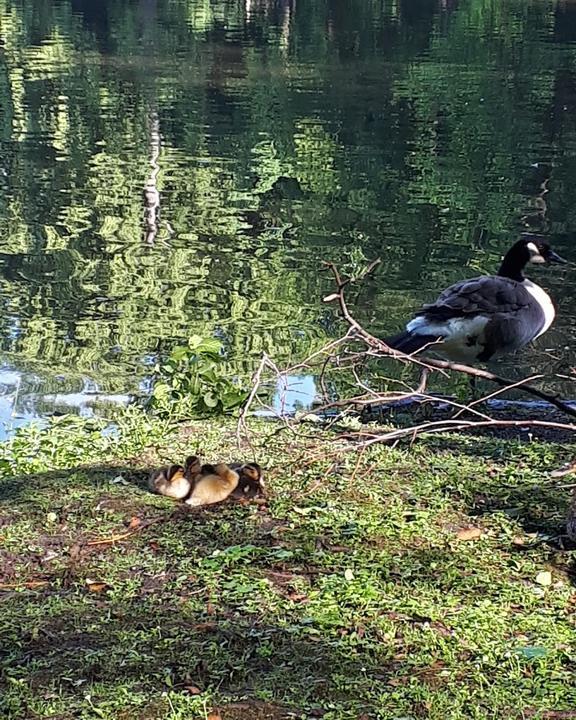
(125, 535)
(353, 351)
(28, 585)
(430, 363)
(440, 426)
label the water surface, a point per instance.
(170, 167)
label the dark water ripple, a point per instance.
(273, 135)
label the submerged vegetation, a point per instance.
(416, 582)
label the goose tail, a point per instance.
(409, 342)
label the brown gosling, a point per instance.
(175, 481)
(251, 483)
(214, 484)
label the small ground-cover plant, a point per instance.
(193, 381)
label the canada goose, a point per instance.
(214, 484)
(175, 481)
(485, 316)
(251, 483)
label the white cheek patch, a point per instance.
(535, 254)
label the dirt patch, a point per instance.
(251, 711)
(288, 584)
(113, 503)
(153, 711)
(8, 565)
(6, 520)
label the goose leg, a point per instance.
(474, 388)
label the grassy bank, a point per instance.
(406, 583)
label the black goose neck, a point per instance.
(514, 263)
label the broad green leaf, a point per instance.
(179, 353)
(210, 346)
(194, 341)
(531, 651)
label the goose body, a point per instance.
(483, 317)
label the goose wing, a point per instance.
(487, 295)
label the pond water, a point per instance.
(171, 167)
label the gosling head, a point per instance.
(174, 472)
(192, 466)
(253, 472)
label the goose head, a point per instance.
(529, 249)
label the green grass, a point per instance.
(347, 596)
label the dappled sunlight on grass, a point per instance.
(357, 589)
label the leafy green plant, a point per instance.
(192, 381)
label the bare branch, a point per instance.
(338, 356)
(433, 364)
(256, 382)
(501, 390)
(453, 426)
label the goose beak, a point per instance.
(554, 258)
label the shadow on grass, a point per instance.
(28, 487)
(174, 632)
(157, 648)
(525, 492)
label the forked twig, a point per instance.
(123, 536)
